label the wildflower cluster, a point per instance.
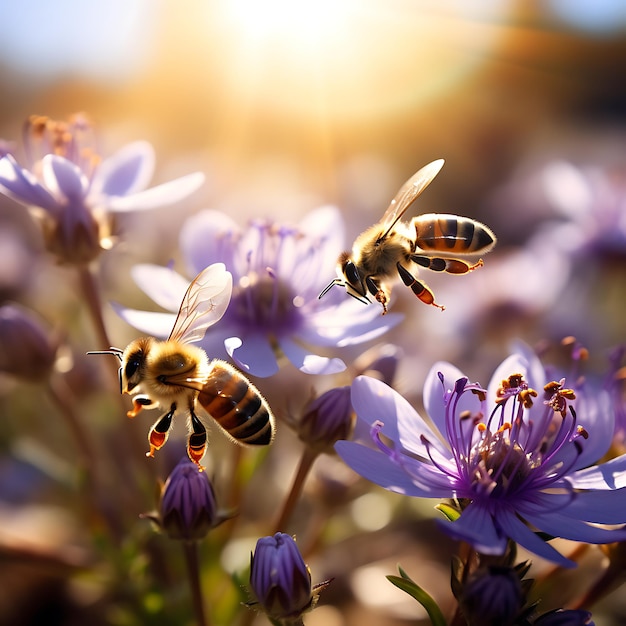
(526, 471)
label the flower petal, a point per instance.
(575, 529)
(520, 533)
(307, 362)
(434, 391)
(22, 186)
(348, 324)
(325, 227)
(63, 178)
(209, 237)
(609, 475)
(600, 507)
(127, 171)
(378, 468)
(161, 195)
(152, 323)
(374, 401)
(254, 355)
(162, 284)
(476, 526)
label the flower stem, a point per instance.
(87, 456)
(306, 462)
(91, 296)
(190, 549)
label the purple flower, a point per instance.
(515, 460)
(593, 200)
(326, 419)
(279, 578)
(74, 194)
(187, 508)
(278, 272)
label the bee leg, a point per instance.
(139, 402)
(160, 430)
(450, 266)
(196, 444)
(377, 292)
(418, 288)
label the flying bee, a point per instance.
(391, 248)
(177, 377)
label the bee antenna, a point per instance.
(328, 287)
(115, 351)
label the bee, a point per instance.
(392, 248)
(177, 377)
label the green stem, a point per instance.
(306, 462)
(190, 549)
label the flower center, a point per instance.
(73, 140)
(498, 462)
(265, 303)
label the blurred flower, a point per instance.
(593, 200)
(74, 194)
(187, 507)
(513, 462)
(565, 617)
(278, 272)
(27, 349)
(615, 384)
(326, 419)
(280, 580)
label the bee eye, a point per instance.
(134, 361)
(351, 272)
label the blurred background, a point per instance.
(286, 106)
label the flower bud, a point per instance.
(26, 349)
(493, 596)
(327, 419)
(279, 578)
(187, 509)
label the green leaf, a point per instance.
(405, 583)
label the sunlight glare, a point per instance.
(298, 22)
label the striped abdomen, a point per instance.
(236, 405)
(451, 234)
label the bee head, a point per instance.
(348, 276)
(133, 364)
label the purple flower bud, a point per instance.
(492, 596)
(188, 508)
(26, 349)
(327, 419)
(279, 578)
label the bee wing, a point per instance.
(408, 193)
(204, 303)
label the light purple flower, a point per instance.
(74, 194)
(517, 463)
(593, 201)
(278, 271)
